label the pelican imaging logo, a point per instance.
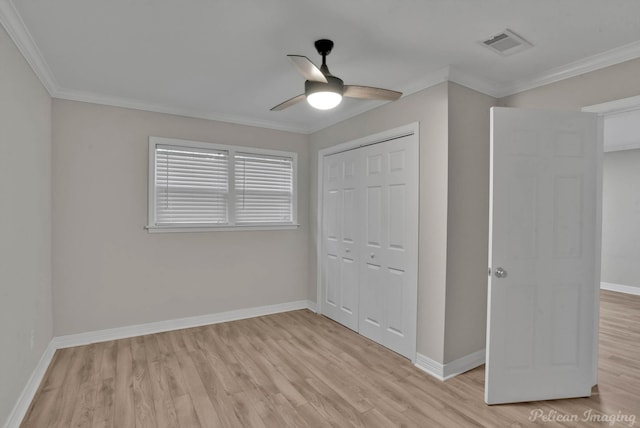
(590, 415)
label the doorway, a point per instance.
(621, 197)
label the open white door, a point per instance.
(544, 255)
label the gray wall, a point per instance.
(454, 191)
(621, 218)
(25, 223)
(109, 272)
(468, 221)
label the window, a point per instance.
(202, 186)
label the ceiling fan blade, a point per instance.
(289, 102)
(307, 68)
(370, 93)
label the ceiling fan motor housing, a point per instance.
(324, 46)
(334, 84)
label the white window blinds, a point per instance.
(263, 188)
(192, 186)
(203, 186)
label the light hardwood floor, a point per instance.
(299, 369)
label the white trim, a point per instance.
(312, 306)
(450, 370)
(19, 33)
(448, 73)
(231, 151)
(576, 68)
(622, 147)
(429, 366)
(598, 249)
(17, 30)
(445, 74)
(476, 83)
(175, 324)
(108, 100)
(409, 129)
(453, 74)
(24, 401)
(412, 128)
(171, 229)
(620, 288)
(612, 108)
(616, 106)
(464, 364)
(364, 107)
(430, 79)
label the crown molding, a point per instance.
(576, 68)
(17, 30)
(485, 86)
(431, 79)
(427, 81)
(15, 27)
(445, 74)
(95, 98)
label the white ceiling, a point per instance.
(226, 59)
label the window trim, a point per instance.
(152, 227)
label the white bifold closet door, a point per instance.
(342, 201)
(370, 241)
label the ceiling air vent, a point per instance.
(506, 43)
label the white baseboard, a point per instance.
(449, 370)
(175, 324)
(312, 306)
(24, 401)
(620, 288)
(430, 366)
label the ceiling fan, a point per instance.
(323, 90)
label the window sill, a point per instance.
(164, 229)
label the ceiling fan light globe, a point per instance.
(324, 100)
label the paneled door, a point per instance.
(370, 241)
(544, 255)
(342, 200)
(388, 284)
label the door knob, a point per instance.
(348, 250)
(500, 273)
(373, 256)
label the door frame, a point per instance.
(380, 137)
(602, 110)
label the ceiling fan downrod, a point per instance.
(324, 47)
